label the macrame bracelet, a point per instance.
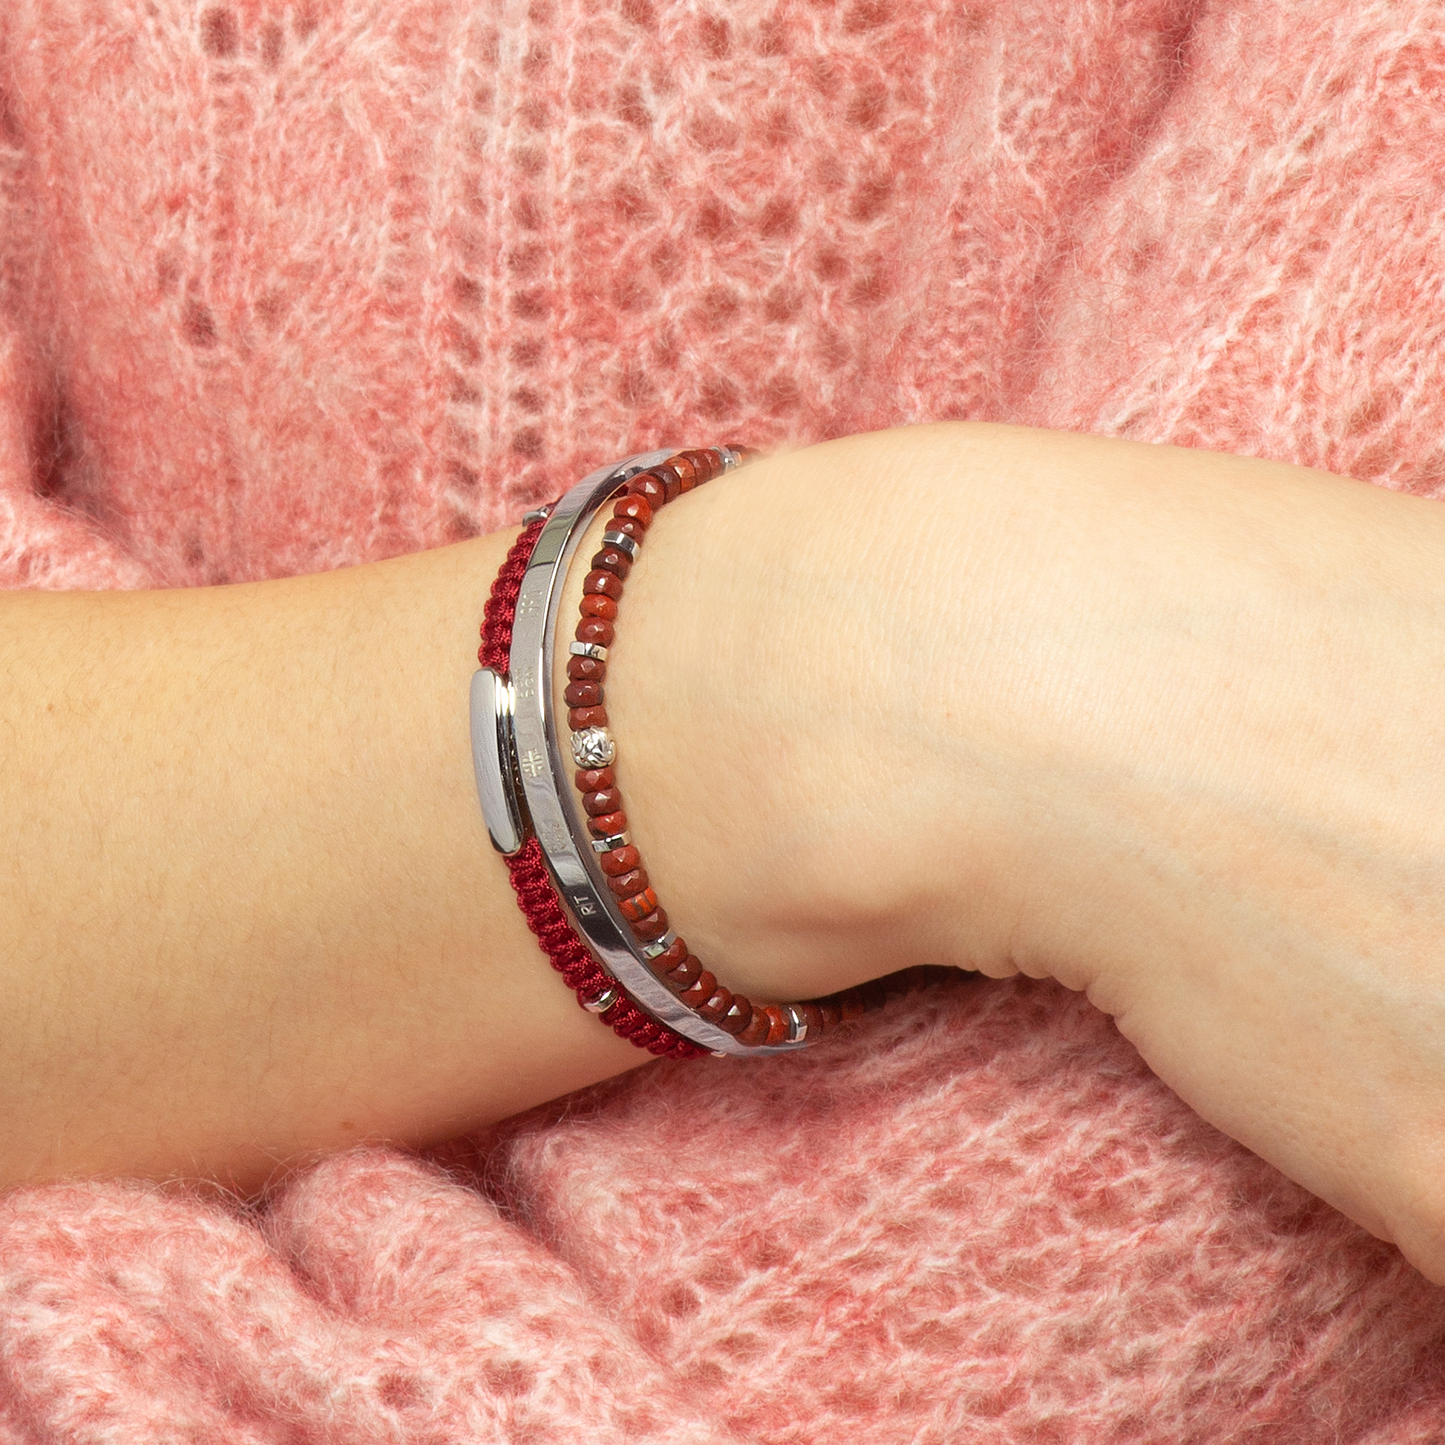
(563, 861)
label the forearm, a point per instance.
(1158, 723)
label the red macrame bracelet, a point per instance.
(536, 896)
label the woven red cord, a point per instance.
(533, 884)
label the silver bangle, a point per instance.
(523, 775)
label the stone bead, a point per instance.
(635, 509)
(614, 560)
(603, 607)
(715, 1007)
(586, 669)
(755, 1031)
(606, 584)
(706, 464)
(778, 1026)
(604, 800)
(620, 860)
(639, 906)
(651, 927)
(832, 1014)
(738, 1015)
(586, 717)
(686, 474)
(629, 527)
(699, 990)
(850, 1004)
(684, 974)
(650, 488)
(671, 478)
(607, 825)
(595, 629)
(593, 780)
(626, 884)
(671, 956)
(583, 694)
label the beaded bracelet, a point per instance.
(653, 991)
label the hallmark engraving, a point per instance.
(532, 763)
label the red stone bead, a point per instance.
(639, 906)
(583, 694)
(671, 956)
(684, 974)
(636, 509)
(586, 717)
(778, 1025)
(700, 990)
(652, 927)
(604, 800)
(629, 528)
(586, 669)
(612, 559)
(812, 1016)
(596, 630)
(593, 780)
(650, 487)
(832, 1014)
(682, 468)
(755, 1031)
(603, 607)
(629, 883)
(850, 1004)
(608, 825)
(603, 583)
(738, 1015)
(671, 479)
(620, 860)
(715, 1007)
(706, 463)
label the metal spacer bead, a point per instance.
(622, 542)
(602, 1002)
(606, 845)
(661, 945)
(799, 1025)
(731, 460)
(537, 514)
(593, 747)
(588, 649)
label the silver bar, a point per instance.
(798, 1030)
(588, 649)
(493, 755)
(613, 840)
(544, 759)
(622, 542)
(602, 1002)
(660, 945)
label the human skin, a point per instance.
(1162, 725)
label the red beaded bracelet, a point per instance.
(665, 955)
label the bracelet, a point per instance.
(647, 986)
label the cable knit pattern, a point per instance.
(289, 284)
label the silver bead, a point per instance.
(537, 514)
(799, 1025)
(602, 1002)
(661, 945)
(614, 840)
(622, 542)
(593, 747)
(588, 649)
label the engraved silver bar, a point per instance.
(492, 760)
(544, 756)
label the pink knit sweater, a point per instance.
(289, 284)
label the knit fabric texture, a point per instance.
(292, 284)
